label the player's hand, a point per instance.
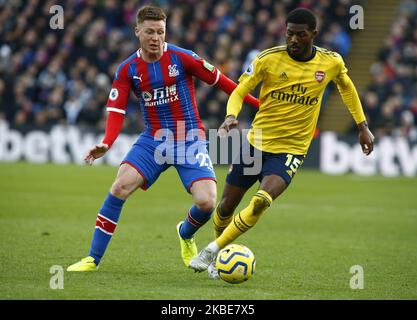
(96, 152)
(366, 138)
(228, 124)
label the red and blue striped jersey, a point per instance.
(165, 89)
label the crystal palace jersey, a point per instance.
(165, 89)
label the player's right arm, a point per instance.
(234, 105)
(116, 108)
(248, 81)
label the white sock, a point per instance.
(213, 247)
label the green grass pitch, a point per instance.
(305, 244)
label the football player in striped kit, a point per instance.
(161, 75)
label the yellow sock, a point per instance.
(220, 223)
(245, 219)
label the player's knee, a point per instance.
(206, 203)
(121, 190)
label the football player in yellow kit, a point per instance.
(293, 79)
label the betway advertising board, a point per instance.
(331, 153)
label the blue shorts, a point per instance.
(242, 173)
(151, 157)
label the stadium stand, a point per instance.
(63, 76)
(390, 100)
(50, 77)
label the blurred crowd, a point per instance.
(63, 76)
(390, 101)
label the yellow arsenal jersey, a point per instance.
(291, 96)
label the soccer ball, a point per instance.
(235, 263)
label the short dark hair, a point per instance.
(150, 13)
(302, 16)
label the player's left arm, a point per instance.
(213, 77)
(351, 99)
